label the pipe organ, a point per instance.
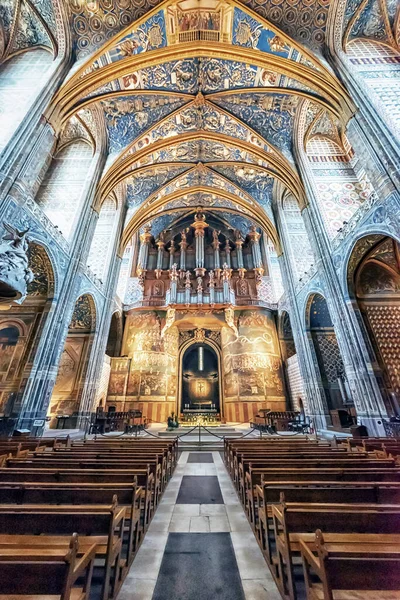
(200, 261)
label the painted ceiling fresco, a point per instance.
(197, 93)
(35, 26)
(92, 23)
(129, 116)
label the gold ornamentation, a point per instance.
(200, 335)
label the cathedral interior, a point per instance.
(200, 204)
(200, 299)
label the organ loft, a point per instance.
(195, 263)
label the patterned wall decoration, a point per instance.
(251, 33)
(39, 263)
(203, 116)
(201, 150)
(29, 30)
(304, 22)
(374, 20)
(377, 67)
(385, 323)
(147, 379)
(93, 28)
(300, 248)
(319, 316)
(340, 194)
(151, 35)
(21, 79)
(103, 239)
(201, 177)
(271, 116)
(128, 116)
(141, 186)
(331, 359)
(83, 317)
(255, 182)
(296, 384)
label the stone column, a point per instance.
(199, 226)
(363, 386)
(39, 385)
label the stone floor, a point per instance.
(186, 567)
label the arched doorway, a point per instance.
(374, 284)
(330, 363)
(200, 380)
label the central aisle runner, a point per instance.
(199, 566)
(199, 545)
(200, 490)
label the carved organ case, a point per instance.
(199, 260)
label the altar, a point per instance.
(208, 417)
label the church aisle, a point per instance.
(199, 545)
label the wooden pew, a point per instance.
(81, 494)
(351, 570)
(292, 521)
(317, 492)
(104, 472)
(49, 573)
(256, 467)
(151, 464)
(99, 525)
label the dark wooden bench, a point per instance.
(351, 570)
(318, 493)
(82, 494)
(34, 573)
(291, 521)
(97, 525)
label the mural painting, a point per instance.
(252, 367)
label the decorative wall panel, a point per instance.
(385, 323)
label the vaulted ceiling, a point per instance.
(196, 101)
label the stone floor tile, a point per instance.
(137, 589)
(250, 560)
(190, 510)
(219, 524)
(199, 525)
(259, 589)
(208, 510)
(179, 524)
